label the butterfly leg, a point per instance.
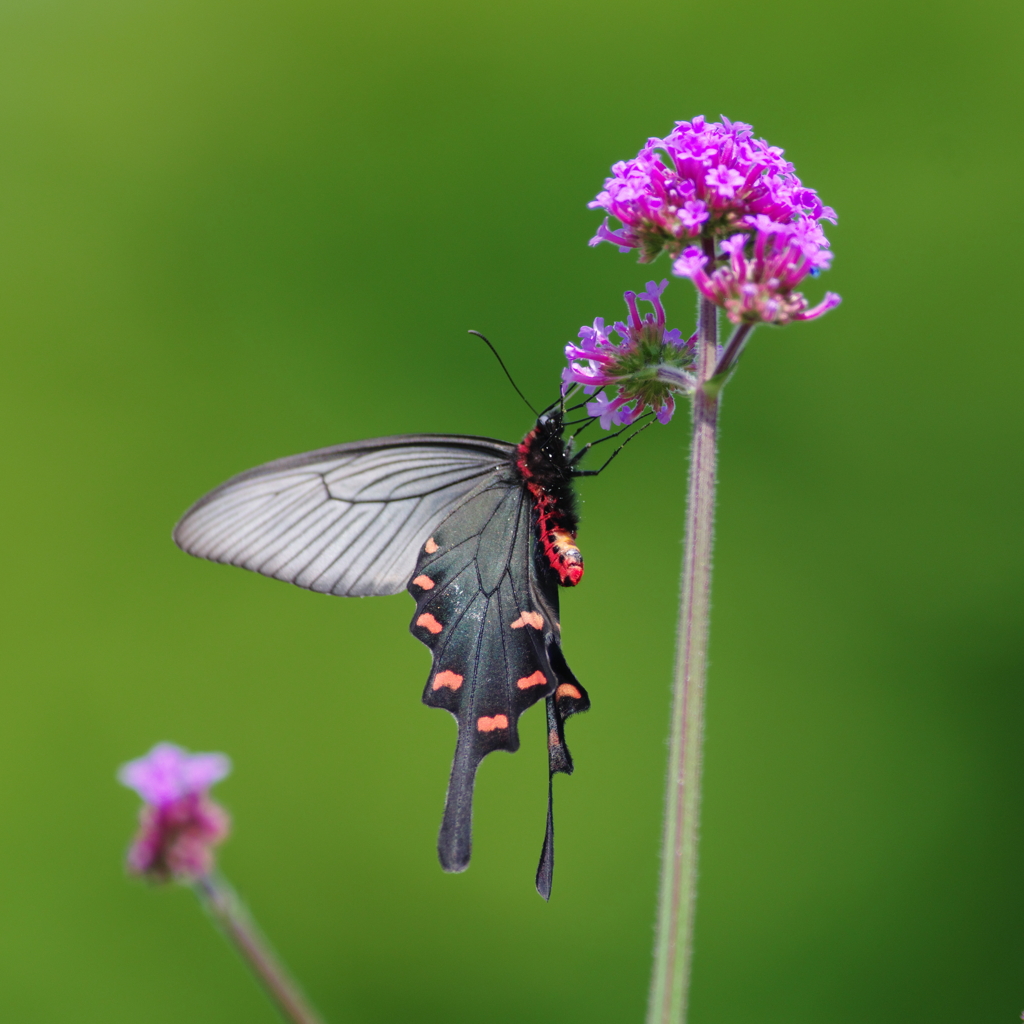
(596, 472)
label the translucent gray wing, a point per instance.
(348, 520)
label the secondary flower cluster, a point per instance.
(646, 368)
(710, 194)
(756, 284)
(179, 823)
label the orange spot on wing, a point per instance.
(450, 679)
(568, 690)
(424, 582)
(534, 619)
(553, 740)
(430, 547)
(537, 679)
(486, 724)
(427, 621)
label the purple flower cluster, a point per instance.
(756, 284)
(708, 183)
(647, 368)
(179, 823)
(716, 177)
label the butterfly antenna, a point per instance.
(501, 362)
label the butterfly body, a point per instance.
(544, 465)
(480, 532)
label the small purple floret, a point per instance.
(611, 412)
(179, 824)
(664, 413)
(168, 772)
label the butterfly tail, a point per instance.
(568, 699)
(455, 840)
(546, 867)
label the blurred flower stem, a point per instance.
(673, 947)
(234, 920)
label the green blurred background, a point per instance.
(234, 231)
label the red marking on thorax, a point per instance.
(428, 622)
(537, 679)
(450, 679)
(523, 450)
(424, 582)
(486, 724)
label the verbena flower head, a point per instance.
(701, 182)
(756, 284)
(179, 823)
(646, 368)
(709, 195)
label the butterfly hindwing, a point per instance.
(491, 632)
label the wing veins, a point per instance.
(398, 552)
(327, 526)
(386, 544)
(268, 519)
(418, 494)
(443, 646)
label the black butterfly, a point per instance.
(481, 533)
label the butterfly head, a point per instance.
(552, 420)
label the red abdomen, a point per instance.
(560, 548)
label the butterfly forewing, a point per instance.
(346, 520)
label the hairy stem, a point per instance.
(674, 942)
(230, 914)
(732, 352)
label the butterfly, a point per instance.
(482, 534)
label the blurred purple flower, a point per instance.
(646, 368)
(179, 823)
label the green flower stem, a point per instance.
(228, 911)
(674, 942)
(728, 359)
